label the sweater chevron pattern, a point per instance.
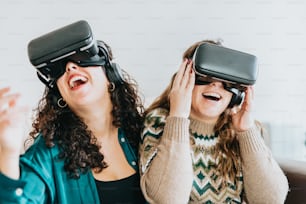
(207, 185)
(179, 159)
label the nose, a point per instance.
(70, 66)
(217, 84)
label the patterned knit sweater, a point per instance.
(177, 165)
(207, 185)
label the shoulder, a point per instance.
(154, 123)
(157, 113)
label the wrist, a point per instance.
(178, 114)
(9, 165)
(246, 126)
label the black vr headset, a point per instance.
(234, 68)
(50, 53)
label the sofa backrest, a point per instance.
(296, 174)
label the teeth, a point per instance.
(74, 79)
(213, 95)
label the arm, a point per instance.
(166, 165)
(19, 182)
(30, 189)
(165, 161)
(12, 119)
(264, 181)
(35, 182)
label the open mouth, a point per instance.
(77, 81)
(212, 96)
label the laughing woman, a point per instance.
(198, 146)
(86, 135)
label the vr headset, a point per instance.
(225, 64)
(50, 53)
(233, 68)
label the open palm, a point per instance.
(12, 123)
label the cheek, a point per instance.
(61, 86)
(97, 74)
(196, 91)
(227, 97)
(197, 103)
(196, 96)
(60, 83)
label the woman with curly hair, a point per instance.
(86, 135)
(199, 147)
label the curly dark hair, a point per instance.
(78, 146)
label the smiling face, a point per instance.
(209, 101)
(83, 86)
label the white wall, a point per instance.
(149, 37)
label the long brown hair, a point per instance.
(78, 146)
(228, 154)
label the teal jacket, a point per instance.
(43, 179)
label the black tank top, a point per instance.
(123, 191)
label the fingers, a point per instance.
(180, 74)
(247, 102)
(12, 115)
(185, 82)
(4, 91)
(189, 76)
(249, 96)
(8, 101)
(250, 93)
(181, 91)
(185, 75)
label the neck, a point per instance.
(206, 120)
(99, 120)
(201, 127)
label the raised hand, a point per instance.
(12, 132)
(181, 92)
(242, 119)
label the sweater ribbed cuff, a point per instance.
(177, 129)
(251, 141)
